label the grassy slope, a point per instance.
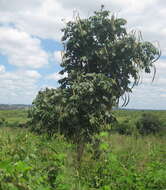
(31, 162)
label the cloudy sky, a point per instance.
(30, 45)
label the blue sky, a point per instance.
(30, 46)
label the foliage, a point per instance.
(148, 123)
(126, 127)
(77, 115)
(30, 162)
(2, 122)
(125, 163)
(101, 45)
(44, 114)
(100, 58)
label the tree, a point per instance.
(148, 124)
(100, 44)
(101, 58)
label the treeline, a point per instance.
(13, 106)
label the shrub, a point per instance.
(148, 124)
(125, 127)
(3, 122)
(46, 111)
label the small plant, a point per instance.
(148, 124)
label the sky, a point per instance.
(30, 45)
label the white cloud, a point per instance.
(43, 19)
(56, 76)
(49, 86)
(147, 96)
(163, 95)
(19, 86)
(21, 49)
(150, 95)
(58, 56)
(17, 5)
(32, 74)
(2, 69)
(161, 64)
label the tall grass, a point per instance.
(30, 162)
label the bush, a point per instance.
(3, 122)
(148, 124)
(45, 111)
(126, 166)
(126, 127)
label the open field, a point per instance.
(133, 115)
(36, 162)
(14, 116)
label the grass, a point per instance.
(32, 162)
(14, 116)
(136, 114)
(28, 161)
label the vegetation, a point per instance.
(29, 161)
(13, 106)
(13, 118)
(36, 162)
(100, 58)
(148, 124)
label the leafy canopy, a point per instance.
(100, 58)
(101, 45)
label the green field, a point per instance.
(17, 116)
(37, 162)
(14, 116)
(136, 114)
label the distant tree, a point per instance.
(148, 124)
(101, 59)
